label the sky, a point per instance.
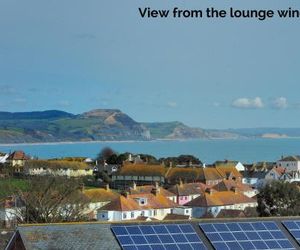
(211, 73)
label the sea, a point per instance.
(208, 151)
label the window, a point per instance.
(143, 201)
(124, 216)
(155, 212)
(132, 214)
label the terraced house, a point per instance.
(212, 202)
(57, 168)
(140, 173)
(152, 205)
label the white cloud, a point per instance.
(280, 103)
(172, 104)
(248, 103)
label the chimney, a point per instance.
(107, 187)
(234, 189)
(125, 194)
(134, 186)
(180, 182)
(209, 191)
(155, 190)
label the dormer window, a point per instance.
(142, 201)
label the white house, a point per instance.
(62, 171)
(293, 176)
(98, 197)
(212, 202)
(290, 163)
(3, 158)
(131, 207)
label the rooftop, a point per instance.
(100, 236)
(220, 199)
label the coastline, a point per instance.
(134, 141)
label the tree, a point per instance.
(105, 154)
(50, 200)
(279, 199)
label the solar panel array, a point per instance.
(246, 235)
(158, 237)
(294, 228)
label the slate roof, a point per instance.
(254, 174)
(99, 236)
(185, 189)
(291, 158)
(68, 236)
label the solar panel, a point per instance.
(294, 228)
(158, 237)
(246, 235)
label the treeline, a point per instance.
(110, 156)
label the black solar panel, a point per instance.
(158, 237)
(294, 228)
(246, 235)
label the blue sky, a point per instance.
(81, 55)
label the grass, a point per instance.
(11, 185)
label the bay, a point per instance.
(208, 151)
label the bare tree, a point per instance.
(51, 199)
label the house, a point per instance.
(140, 173)
(290, 163)
(259, 178)
(17, 159)
(213, 202)
(228, 185)
(293, 176)
(230, 173)
(275, 174)
(130, 207)
(227, 163)
(148, 189)
(186, 192)
(98, 197)
(255, 179)
(3, 157)
(57, 168)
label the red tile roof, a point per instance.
(228, 185)
(18, 155)
(147, 189)
(220, 199)
(131, 203)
